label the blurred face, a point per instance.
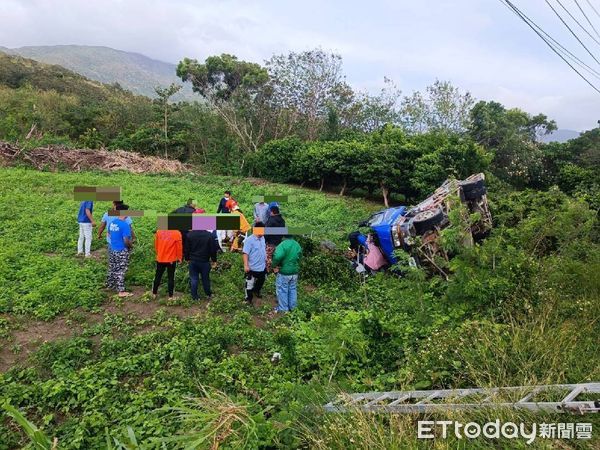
(258, 231)
(226, 195)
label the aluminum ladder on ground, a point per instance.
(522, 397)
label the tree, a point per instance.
(443, 107)
(236, 91)
(512, 135)
(305, 87)
(164, 94)
(367, 113)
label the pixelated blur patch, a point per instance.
(97, 193)
(129, 213)
(283, 231)
(273, 198)
(190, 221)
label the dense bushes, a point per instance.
(387, 160)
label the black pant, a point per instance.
(160, 270)
(202, 269)
(259, 280)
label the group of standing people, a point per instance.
(262, 253)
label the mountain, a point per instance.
(132, 71)
(560, 136)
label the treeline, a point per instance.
(392, 161)
(388, 161)
(296, 119)
(47, 104)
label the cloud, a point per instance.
(479, 46)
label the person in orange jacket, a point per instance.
(169, 250)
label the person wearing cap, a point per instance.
(255, 261)
(118, 260)
(238, 235)
(275, 221)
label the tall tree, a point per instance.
(307, 86)
(164, 94)
(236, 90)
(368, 112)
(512, 134)
(442, 107)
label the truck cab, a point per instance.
(416, 230)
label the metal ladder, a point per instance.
(533, 398)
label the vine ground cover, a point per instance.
(519, 309)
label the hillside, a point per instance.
(560, 135)
(518, 309)
(17, 72)
(132, 71)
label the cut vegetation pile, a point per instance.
(55, 157)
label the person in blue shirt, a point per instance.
(255, 261)
(106, 221)
(86, 222)
(118, 258)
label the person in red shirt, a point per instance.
(169, 249)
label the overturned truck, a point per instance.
(416, 231)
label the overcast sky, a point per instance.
(479, 45)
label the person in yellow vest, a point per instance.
(239, 235)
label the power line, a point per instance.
(525, 19)
(586, 18)
(578, 23)
(592, 6)
(572, 32)
(565, 51)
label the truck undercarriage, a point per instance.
(417, 230)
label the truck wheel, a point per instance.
(426, 220)
(473, 190)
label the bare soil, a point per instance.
(27, 335)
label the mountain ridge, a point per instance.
(133, 71)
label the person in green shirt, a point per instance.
(286, 264)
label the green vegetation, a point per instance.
(134, 72)
(518, 309)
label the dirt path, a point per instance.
(27, 335)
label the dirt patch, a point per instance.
(310, 288)
(29, 336)
(55, 157)
(256, 181)
(26, 336)
(100, 254)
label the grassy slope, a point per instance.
(38, 213)
(388, 334)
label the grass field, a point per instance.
(82, 365)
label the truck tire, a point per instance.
(473, 190)
(427, 220)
